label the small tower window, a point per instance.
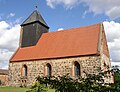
(48, 73)
(24, 70)
(76, 69)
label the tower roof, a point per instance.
(35, 17)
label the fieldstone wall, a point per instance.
(89, 64)
(105, 58)
(105, 66)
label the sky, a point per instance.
(59, 15)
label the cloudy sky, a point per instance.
(59, 14)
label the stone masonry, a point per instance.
(89, 64)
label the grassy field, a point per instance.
(18, 89)
(12, 89)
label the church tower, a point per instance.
(32, 29)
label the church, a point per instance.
(71, 51)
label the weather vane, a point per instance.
(37, 5)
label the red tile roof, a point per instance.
(66, 43)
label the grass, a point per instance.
(18, 89)
(50, 90)
(13, 89)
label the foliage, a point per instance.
(116, 71)
(91, 83)
(36, 87)
(116, 84)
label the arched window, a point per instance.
(24, 70)
(48, 73)
(76, 69)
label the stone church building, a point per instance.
(69, 51)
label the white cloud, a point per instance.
(112, 30)
(60, 29)
(9, 38)
(4, 58)
(66, 3)
(11, 15)
(3, 26)
(111, 8)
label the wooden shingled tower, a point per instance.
(32, 29)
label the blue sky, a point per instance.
(59, 14)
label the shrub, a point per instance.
(92, 83)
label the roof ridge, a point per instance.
(27, 18)
(71, 29)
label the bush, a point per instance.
(92, 83)
(36, 87)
